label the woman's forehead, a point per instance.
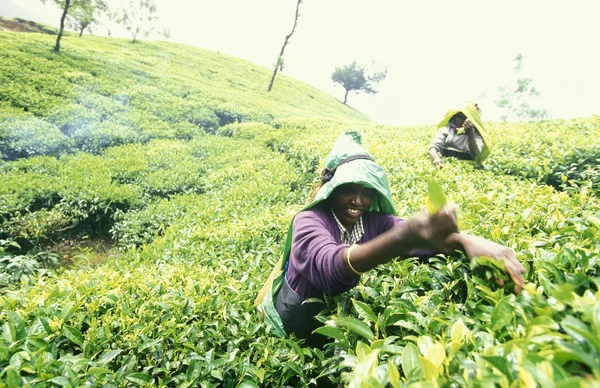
(353, 186)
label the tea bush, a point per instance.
(101, 92)
(203, 207)
(560, 153)
(20, 138)
(47, 199)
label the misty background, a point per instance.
(437, 53)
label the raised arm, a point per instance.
(474, 148)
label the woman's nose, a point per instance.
(357, 199)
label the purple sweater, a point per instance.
(316, 264)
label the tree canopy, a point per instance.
(355, 77)
(86, 15)
(80, 14)
(516, 101)
(137, 16)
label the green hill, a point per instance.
(99, 92)
(145, 192)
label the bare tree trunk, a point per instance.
(81, 32)
(62, 25)
(285, 42)
(346, 96)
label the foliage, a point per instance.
(84, 8)
(564, 156)
(354, 77)
(94, 95)
(516, 102)
(201, 218)
(85, 16)
(138, 17)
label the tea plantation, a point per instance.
(145, 193)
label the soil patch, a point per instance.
(89, 252)
(22, 25)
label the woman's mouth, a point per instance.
(353, 212)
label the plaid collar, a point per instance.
(350, 237)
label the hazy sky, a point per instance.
(436, 52)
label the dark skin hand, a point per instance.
(470, 131)
(477, 246)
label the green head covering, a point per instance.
(473, 113)
(349, 162)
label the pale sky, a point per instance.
(437, 52)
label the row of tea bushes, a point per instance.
(178, 311)
(101, 92)
(47, 200)
(564, 153)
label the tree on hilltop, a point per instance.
(515, 102)
(71, 5)
(279, 62)
(85, 16)
(138, 17)
(354, 77)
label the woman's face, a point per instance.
(459, 119)
(350, 201)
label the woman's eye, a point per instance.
(370, 193)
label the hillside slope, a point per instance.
(99, 92)
(194, 213)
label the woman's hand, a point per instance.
(474, 246)
(468, 125)
(432, 231)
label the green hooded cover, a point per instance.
(363, 171)
(471, 111)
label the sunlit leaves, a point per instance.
(436, 199)
(205, 212)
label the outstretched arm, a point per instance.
(435, 157)
(474, 246)
(437, 144)
(422, 231)
(439, 232)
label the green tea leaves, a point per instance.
(436, 198)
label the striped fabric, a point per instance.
(350, 237)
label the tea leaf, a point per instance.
(356, 326)
(74, 335)
(503, 313)
(436, 198)
(99, 371)
(60, 380)
(330, 331)
(411, 362)
(393, 374)
(364, 310)
(501, 364)
(139, 378)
